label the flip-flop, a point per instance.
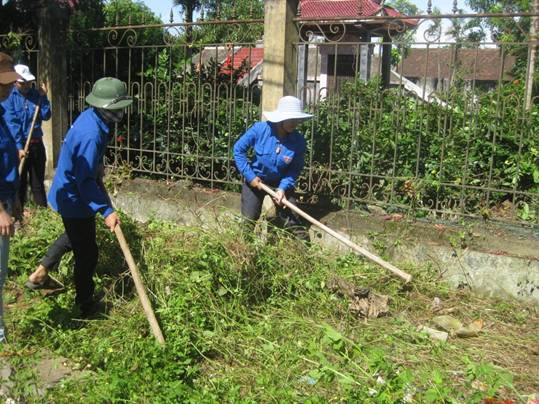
(49, 283)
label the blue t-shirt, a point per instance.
(74, 192)
(278, 162)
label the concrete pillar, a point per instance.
(532, 56)
(303, 69)
(279, 74)
(365, 58)
(52, 66)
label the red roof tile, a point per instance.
(343, 8)
(391, 12)
(251, 56)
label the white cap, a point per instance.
(24, 72)
(288, 108)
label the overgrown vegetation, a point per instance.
(470, 154)
(252, 321)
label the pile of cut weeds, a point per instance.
(255, 321)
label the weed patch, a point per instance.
(255, 321)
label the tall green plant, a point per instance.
(392, 148)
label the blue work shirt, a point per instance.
(74, 192)
(9, 162)
(278, 162)
(20, 112)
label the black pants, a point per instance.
(251, 207)
(56, 251)
(81, 235)
(34, 170)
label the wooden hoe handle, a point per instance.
(29, 137)
(141, 291)
(374, 258)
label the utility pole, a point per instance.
(532, 55)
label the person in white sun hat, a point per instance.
(20, 108)
(278, 159)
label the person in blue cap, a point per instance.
(20, 108)
(9, 177)
(77, 193)
(278, 159)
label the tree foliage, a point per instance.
(404, 41)
(23, 15)
(503, 29)
(404, 6)
(223, 10)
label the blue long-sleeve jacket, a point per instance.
(277, 163)
(9, 162)
(75, 192)
(19, 112)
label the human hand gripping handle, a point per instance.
(112, 220)
(43, 90)
(401, 274)
(279, 198)
(255, 183)
(279, 193)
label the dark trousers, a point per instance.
(34, 171)
(251, 208)
(56, 251)
(81, 234)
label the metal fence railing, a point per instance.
(431, 113)
(193, 99)
(23, 48)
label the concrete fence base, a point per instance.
(488, 259)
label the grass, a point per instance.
(253, 321)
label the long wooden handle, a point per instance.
(28, 138)
(146, 305)
(401, 274)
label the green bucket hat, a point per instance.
(109, 93)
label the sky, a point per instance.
(162, 7)
(444, 5)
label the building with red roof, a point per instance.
(350, 26)
(326, 56)
(344, 9)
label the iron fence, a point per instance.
(193, 99)
(429, 113)
(23, 48)
(406, 115)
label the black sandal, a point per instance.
(48, 283)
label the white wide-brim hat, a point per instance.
(288, 108)
(24, 72)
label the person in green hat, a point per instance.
(77, 192)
